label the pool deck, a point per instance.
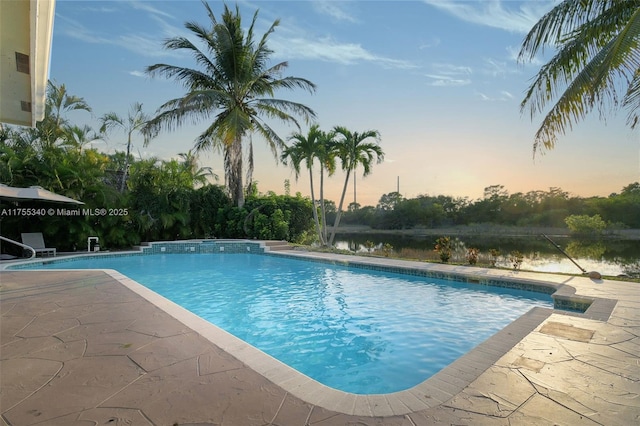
(94, 347)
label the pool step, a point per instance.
(277, 245)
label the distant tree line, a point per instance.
(533, 209)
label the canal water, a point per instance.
(608, 256)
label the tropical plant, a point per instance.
(597, 63)
(494, 255)
(19, 160)
(199, 175)
(233, 85)
(444, 248)
(472, 255)
(369, 245)
(206, 201)
(306, 148)
(161, 195)
(354, 150)
(516, 258)
(78, 137)
(267, 217)
(59, 102)
(135, 122)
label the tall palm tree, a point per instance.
(326, 156)
(354, 150)
(306, 148)
(135, 122)
(597, 63)
(234, 86)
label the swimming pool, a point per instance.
(360, 331)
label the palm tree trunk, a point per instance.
(315, 210)
(322, 209)
(233, 171)
(354, 190)
(250, 166)
(123, 184)
(339, 214)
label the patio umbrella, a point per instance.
(33, 193)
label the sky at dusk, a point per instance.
(438, 79)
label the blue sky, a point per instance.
(437, 78)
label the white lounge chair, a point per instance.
(36, 241)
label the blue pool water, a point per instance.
(356, 330)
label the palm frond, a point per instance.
(553, 27)
(598, 53)
(293, 83)
(571, 107)
(194, 106)
(621, 54)
(262, 52)
(632, 101)
(290, 155)
(283, 110)
(273, 140)
(191, 79)
(207, 140)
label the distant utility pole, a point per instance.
(398, 185)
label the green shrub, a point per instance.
(585, 224)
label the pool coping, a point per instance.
(434, 391)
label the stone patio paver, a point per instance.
(82, 348)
